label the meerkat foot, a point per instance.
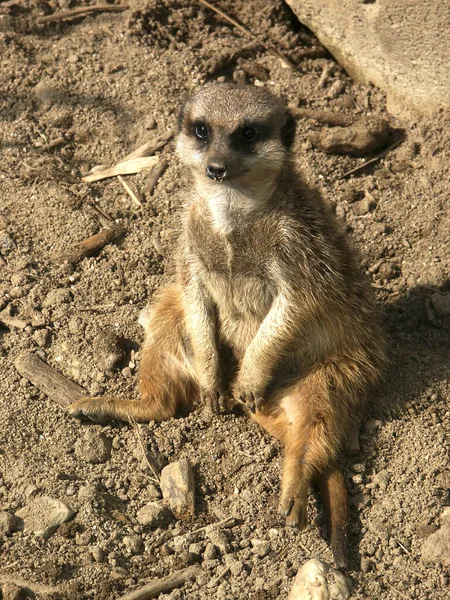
(99, 410)
(293, 507)
(217, 403)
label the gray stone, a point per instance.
(436, 548)
(57, 297)
(364, 137)
(381, 479)
(108, 351)
(8, 523)
(154, 515)
(134, 544)
(177, 486)
(317, 580)
(385, 43)
(220, 539)
(44, 515)
(441, 304)
(93, 447)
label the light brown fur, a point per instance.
(269, 308)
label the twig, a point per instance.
(154, 177)
(141, 444)
(212, 525)
(274, 51)
(94, 243)
(159, 586)
(215, 581)
(380, 155)
(323, 116)
(150, 147)
(129, 191)
(398, 591)
(162, 538)
(81, 12)
(52, 145)
(127, 167)
(403, 547)
(54, 385)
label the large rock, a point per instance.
(178, 489)
(44, 515)
(317, 580)
(403, 47)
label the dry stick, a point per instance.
(398, 591)
(372, 160)
(323, 116)
(220, 576)
(212, 525)
(159, 586)
(94, 243)
(144, 452)
(125, 167)
(154, 177)
(274, 51)
(149, 147)
(54, 385)
(81, 12)
(129, 191)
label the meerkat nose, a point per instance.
(216, 172)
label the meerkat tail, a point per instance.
(334, 498)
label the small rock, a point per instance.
(366, 564)
(220, 538)
(363, 137)
(134, 544)
(8, 523)
(98, 554)
(423, 530)
(118, 573)
(445, 516)
(443, 480)
(42, 337)
(57, 297)
(211, 552)
(7, 244)
(317, 580)
(260, 547)
(436, 548)
(441, 304)
(154, 514)
(177, 486)
(362, 207)
(44, 515)
(93, 447)
(108, 351)
(336, 89)
(388, 270)
(11, 591)
(381, 479)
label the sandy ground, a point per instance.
(87, 92)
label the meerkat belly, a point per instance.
(243, 302)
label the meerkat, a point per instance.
(269, 308)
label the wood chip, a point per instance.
(53, 384)
(127, 167)
(160, 586)
(94, 243)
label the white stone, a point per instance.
(317, 580)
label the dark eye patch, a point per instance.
(248, 134)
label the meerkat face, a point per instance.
(232, 135)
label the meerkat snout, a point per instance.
(216, 172)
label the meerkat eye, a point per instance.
(249, 134)
(201, 131)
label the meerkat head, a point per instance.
(232, 135)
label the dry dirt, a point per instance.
(99, 86)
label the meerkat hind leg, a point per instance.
(167, 378)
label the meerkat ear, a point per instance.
(181, 115)
(288, 131)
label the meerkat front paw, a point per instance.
(293, 507)
(249, 396)
(92, 409)
(215, 400)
